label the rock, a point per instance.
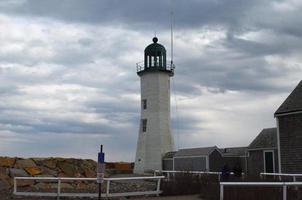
(63, 186)
(25, 163)
(68, 168)
(42, 186)
(25, 183)
(5, 181)
(49, 163)
(33, 170)
(7, 162)
(89, 173)
(17, 172)
(81, 186)
(66, 186)
(4, 170)
(46, 171)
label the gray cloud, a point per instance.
(67, 71)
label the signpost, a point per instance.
(101, 170)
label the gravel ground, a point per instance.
(7, 195)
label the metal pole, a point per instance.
(15, 185)
(100, 184)
(59, 189)
(158, 186)
(108, 188)
(221, 191)
(284, 192)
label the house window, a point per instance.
(144, 125)
(144, 104)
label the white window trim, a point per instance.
(273, 160)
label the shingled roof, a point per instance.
(169, 155)
(203, 151)
(267, 138)
(233, 151)
(293, 102)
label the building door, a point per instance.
(269, 163)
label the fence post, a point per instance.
(158, 186)
(108, 188)
(15, 185)
(221, 191)
(59, 189)
(284, 192)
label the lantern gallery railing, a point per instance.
(59, 181)
(284, 185)
(294, 176)
(141, 67)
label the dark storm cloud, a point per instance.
(136, 12)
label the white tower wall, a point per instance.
(157, 139)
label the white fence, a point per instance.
(294, 176)
(267, 184)
(59, 180)
(170, 172)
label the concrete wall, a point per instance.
(190, 164)
(157, 140)
(290, 135)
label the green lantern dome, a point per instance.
(155, 55)
(155, 58)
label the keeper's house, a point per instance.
(263, 153)
(273, 150)
(205, 159)
(289, 130)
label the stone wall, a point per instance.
(44, 167)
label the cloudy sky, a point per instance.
(68, 79)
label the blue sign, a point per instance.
(101, 157)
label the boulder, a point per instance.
(25, 183)
(89, 173)
(7, 162)
(4, 171)
(42, 186)
(17, 172)
(46, 171)
(25, 163)
(5, 181)
(49, 163)
(33, 170)
(68, 168)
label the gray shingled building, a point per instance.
(263, 152)
(273, 150)
(289, 130)
(205, 159)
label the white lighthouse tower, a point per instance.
(154, 138)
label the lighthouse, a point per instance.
(154, 137)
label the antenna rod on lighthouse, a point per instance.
(172, 21)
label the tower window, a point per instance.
(144, 125)
(144, 104)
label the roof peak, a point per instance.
(293, 102)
